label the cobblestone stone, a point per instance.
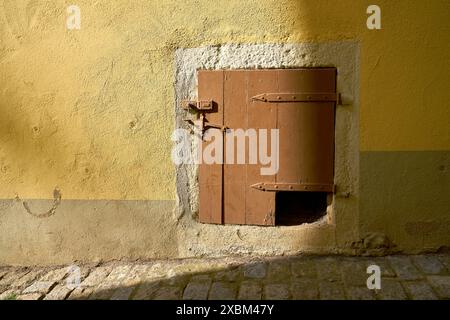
(419, 290)
(118, 274)
(146, 291)
(360, 293)
(30, 296)
(304, 277)
(222, 291)
(328, 269)
(303, 268)
(255, 270)
(276, 291)
(81, 293)
(197, 290)
(59, 292)
(354, 272)
(123, 293)
(102, 292)
(137, 275)
(304, 289)
(55, 275)
(168, 293)
(441, 284)
(9, 294)
(331, 291)
(12, 276)
(391, 290)
(445, 259)
(40, 287)
(26, 279)
(3, 273)
(429, 264)
(250, 290)
(404, 269)
(278, 270)
(96, 276)
(108, 286)
(228, 275)
(385, 267)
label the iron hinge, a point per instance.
(313, 187)
(297, 97)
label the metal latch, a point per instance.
(205, 124)
(201, 105)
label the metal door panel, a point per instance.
(306, 127)
(210, 87)
(308, 158)
(235, 183)
(260, 205)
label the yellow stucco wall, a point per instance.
(91, 111)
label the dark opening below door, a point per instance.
(295, 208)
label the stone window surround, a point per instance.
(342, 218)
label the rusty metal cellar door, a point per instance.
(298, 102)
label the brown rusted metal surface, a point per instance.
(297, 97)
(260, 206)
(235, 115)
(306, 128)
(210, 87)
(243, 204)
(233, 193)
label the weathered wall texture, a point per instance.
(406, 196)
(89, 113)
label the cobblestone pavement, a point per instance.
(300, 277)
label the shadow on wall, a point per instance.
(25, 137)
(29, 132)
(30, 138)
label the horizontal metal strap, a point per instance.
(297, 97)
(267, 186)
